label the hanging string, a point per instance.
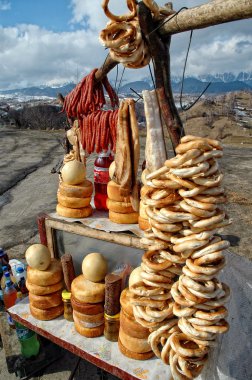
(116, 77)
(120, 81)
(152, 77)
(188, 106)
(167, 20)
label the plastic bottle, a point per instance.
(1, 300)
(27, 338)
(20, 280)
(101, 178)
(10, 297)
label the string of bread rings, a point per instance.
(123, 37)
(184, 257)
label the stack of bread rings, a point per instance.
(182, 241)
(123, 37)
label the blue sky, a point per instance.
(50, 14)
(49, 42)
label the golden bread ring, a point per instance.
(131, 5)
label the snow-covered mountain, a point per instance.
(221, 83)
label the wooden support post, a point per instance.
(159, 50)
(213, 13)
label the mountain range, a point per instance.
(220, 83)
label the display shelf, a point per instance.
(99, 351)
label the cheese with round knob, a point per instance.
(94, 267)
(73, 172)
(38, 256)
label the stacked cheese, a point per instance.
(133, 338)
(74, 193)
(88, 294)
(120, 207)
(44, 282)
(143, 217)
(87, 301)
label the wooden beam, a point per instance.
(213, 13)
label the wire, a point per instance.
(120, 81)
(152, 77)
(188, 106)
(167, 20)
(116, 76)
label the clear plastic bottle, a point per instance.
(1, 300)
(101, 179)
(20, 280)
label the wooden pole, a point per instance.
(213, 13)
(159, 50)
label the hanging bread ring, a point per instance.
(116, 34)
(131, 5)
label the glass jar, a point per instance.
(68, 310)
(112, 325)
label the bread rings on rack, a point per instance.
(192, 192)
(206, 269)
(221, 327)
(128, 58)
(169, 199)
(196, 211)
(204, 235)
(223, 244)
(214, 168)
(116, 34)
(154, 244)
(172, 256)
(154, 261)
(215, 143)
(174, 217)
(189, 172)
(189, 330)
(210, 199)
(200, 205)
(209, 286)
(164, 285)
(140, 289)
(212, 154)
(166, 227)
(183, 183)
(177, 340)
(181, 159)
(211, 315)
(147, 301)
(159, 194)
(155, 277)
(164, 183)
(166, 273)
(162, 235)
(154, 338)
(197, 276)
(189, 245)
(203, 223)
(194, 144)
(210, 181)
(131, 5)
(183, 311)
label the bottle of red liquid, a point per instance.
(101, 178)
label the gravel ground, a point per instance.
(28, 188)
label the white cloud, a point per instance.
(5, 5)
(30, 55)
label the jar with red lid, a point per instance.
(101, 179)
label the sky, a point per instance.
(51, 42)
